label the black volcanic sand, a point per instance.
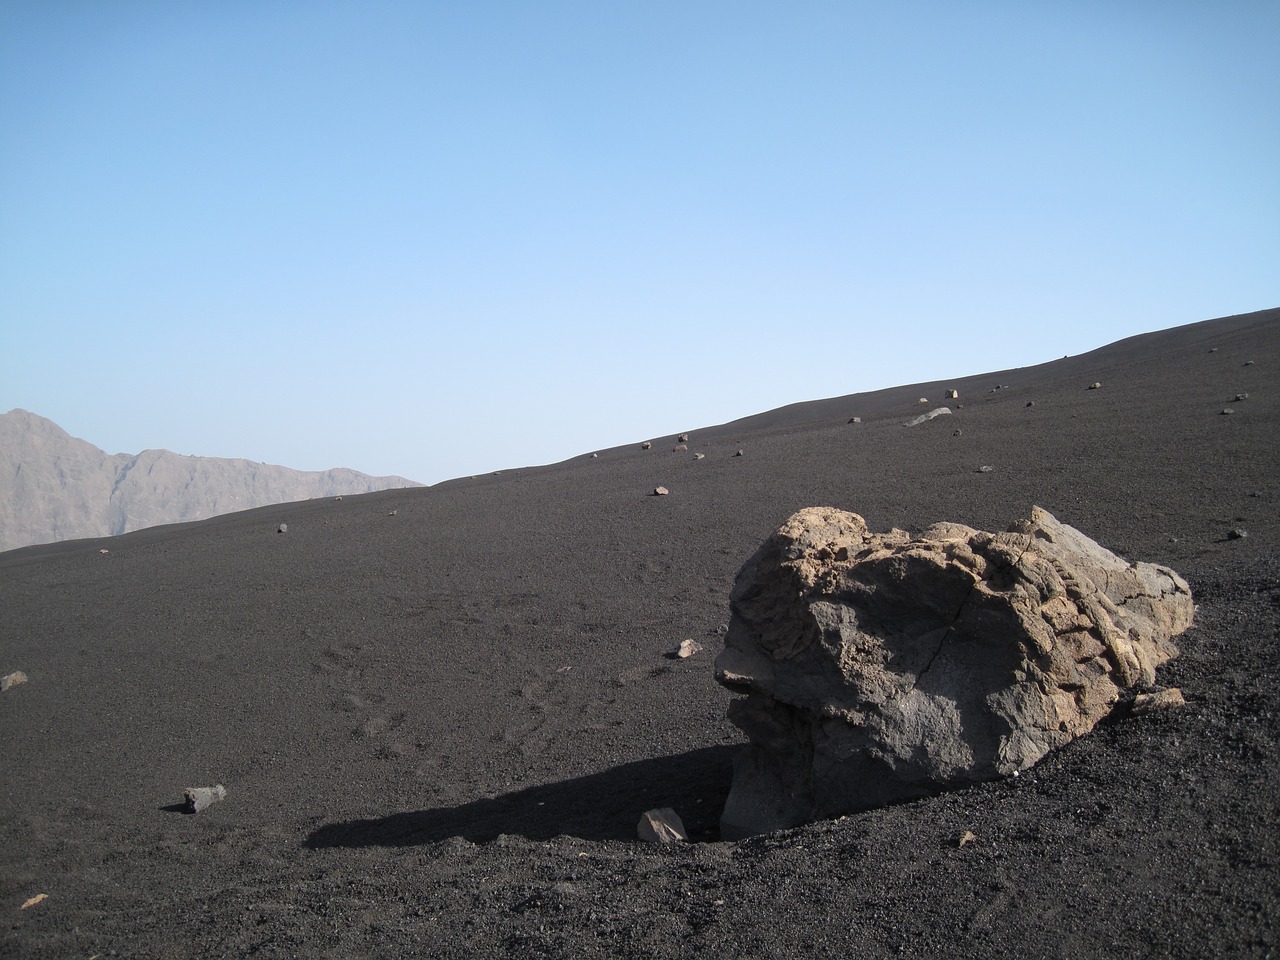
(439, 713)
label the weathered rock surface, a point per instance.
(881, 667)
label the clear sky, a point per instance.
(442, 238)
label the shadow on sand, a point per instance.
(602, 806)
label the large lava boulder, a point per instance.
(882, 667)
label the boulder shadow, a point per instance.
(601, 806)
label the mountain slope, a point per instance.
(56, 487)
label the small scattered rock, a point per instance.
(199, 798)
(104, 550)
(392, 513)
(646, 445)
(1237, 534)
(12, 680)
(1226, 412)
(594, 456)
(1240, 397)
(283, 528)
(965, 838)
(38, 898)
(1031, 403)
(679, 448)
(660, 491)
(1213, 349)
(953, 394)
(936, 412)
(855, 419)
(1095, 386)
(661, 826)
(984, 469)
(1248, 363)
(699, 456)
(688, 648)
(738, 454)
(1169, 699)
(923, 400)
(958, 433)
(683, 438)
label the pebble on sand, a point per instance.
(1095, 386)
(1237, 534)
(660, 491)
(199, 798)
(12, 680)
(688, 648)
(283, 528)
(1169, 699)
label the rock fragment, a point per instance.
(12, 680)
(965, 838)
(199, 798)
(738, 454)
(985, 468)
(683, 438)
(699, 456)
(953, 395)
(1097, 385)
(935, 412)
(660, 491)
(879, 667)
(1241, 397)
(1168, 699)
(688, 648)
(679, 448)
(646, 445)
(855, 419)
(1238, 533)
(662, 825)
(283, 528)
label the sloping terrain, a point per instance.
(56, 487)
(439, 713)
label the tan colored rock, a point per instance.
(1169, 699)
(879, 667)
(688, 648)
(661, 826)
(12, 680)
(660, 491)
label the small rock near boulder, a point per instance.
(688, 648)
(661, 826)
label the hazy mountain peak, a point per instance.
(54, 486)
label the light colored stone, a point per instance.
(878, 667)
(935, 412)
(199, 798)
(661, 826)
(1168, 699)
(688, 648)
(646, 445)
(660, 491)
(953, 394)
(12, 680)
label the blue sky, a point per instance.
(436, 239)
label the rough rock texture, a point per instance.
(881, 667)
(56, 487)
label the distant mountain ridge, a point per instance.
(54, 486)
